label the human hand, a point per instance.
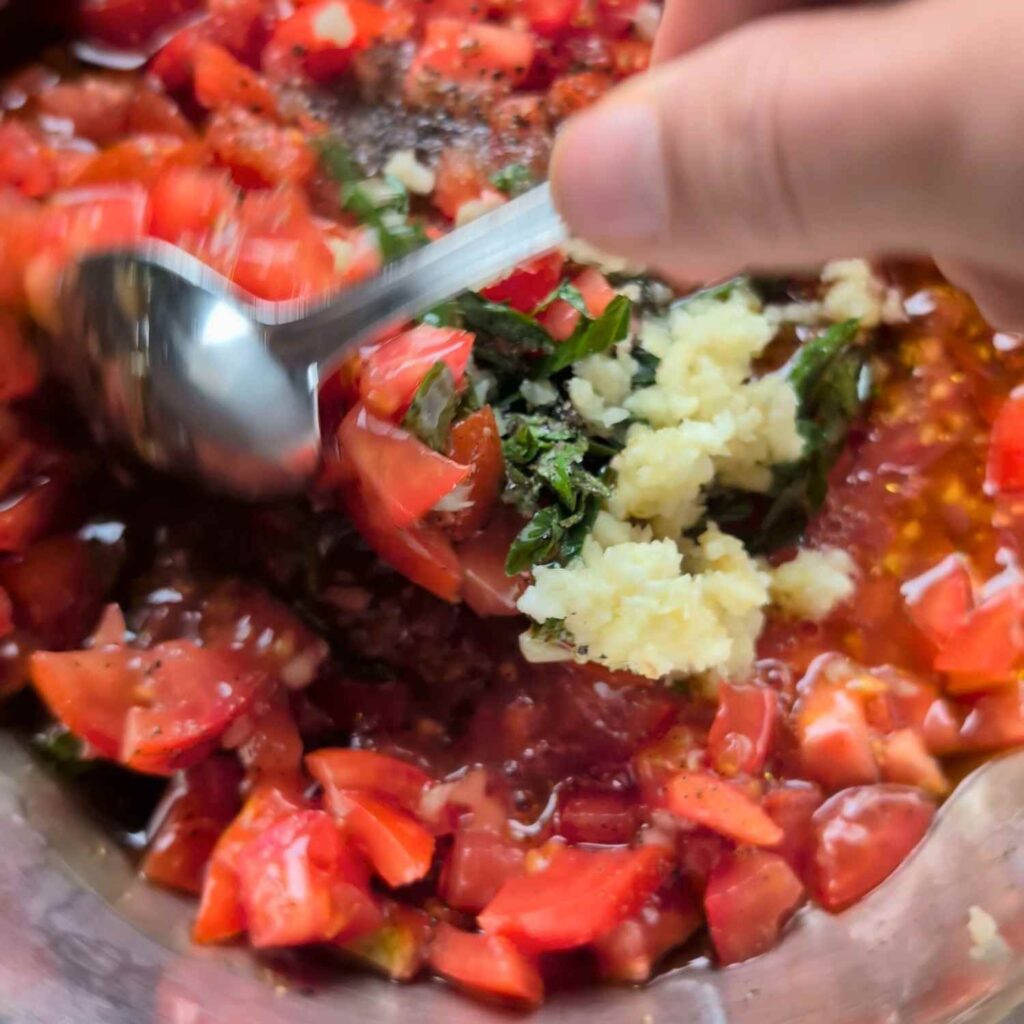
(787, 140)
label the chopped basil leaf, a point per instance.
(338, 161)
(646, 373)
(61, 749)
(433, 408)
(551, 631)
(716, 292)
(567, 292)
(508, 342)
(831, 379)
(513, 179)
(447, 314)
(590, 338)
(547, 479)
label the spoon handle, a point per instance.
(467, 258)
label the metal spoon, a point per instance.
(165, 358)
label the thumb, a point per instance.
(809, 135)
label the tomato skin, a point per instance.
(940, 600)
(97, 106)
(222, 81)
(550, 17)
(601, 817)
(487, 964)
(128, 23)
(476, 442)
(596, 291)
(142, 158)
(193, 694)
(337, 768)
(751, 894)
(1005, 470)
(186, 202)
(405, 478)
(577, 897)
(25, 163)
(491, 57)
(834, 739)
(478, 865)
(529, 284)
(742, 731)
(294, 882)
(459, 179)
(995, 720)
(221, 915)
(393, 371)
(421, 553)
(398, 847)
(320, 39)
(629, 953)
(904, 758)
(987, 648)
(19, 364)
(560, 319)
(862, 835)
(486, 588)
(720, 806)
(271, 752)
(791, 806)
(199, 804)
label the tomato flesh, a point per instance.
(713, 803)
(743, 729)
(486, 963)
(1005, 471)
(861, 836)
(370, 772)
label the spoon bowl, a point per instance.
(168, 361)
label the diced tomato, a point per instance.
(470, 52)
(530, 284)
(486, 964)
(19, 364)
(834, 739)
(26, 163)
(98, 216)
(221, 915)
(142, 158)
(240, 26)
(97, 106)
(486, 587)
(150, 709)
(128, 23)
(271, 750)
(186, 202)
(152, 112)
(173, 62)
(630, 57)
(519, 116)
(995, 720)
(750, 896)
(20, 221)
(720, 806)
(57, 588)
(604, 817)
(630, 952)
(574, 92)
(421, 553)
(1005, 471)
(258, 152)
(405, 477)
(987, 648)
(550, 17)
(478, 865)
(222, 81)
(337, 768)
(459, 180)
(940, 600)
(245, 618)
(296, 882)
(397, 947)
(476, 442)
(321, 38)
(791, 806)
(198, 806)
(742, 731)
(393, 371)
(596, 291)
(862, 835)
(400, 849)
(904, 758)
(577, 897)
(560, 319)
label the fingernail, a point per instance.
(608, 173)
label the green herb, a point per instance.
(547, 480)
(590, 338)
(381, 203)
(567, 292)
(715, 293)
(62, 750)
(433, 407)
(513, 179)
(551, 631)
(831, 379)
(646, 373)
(447, 314)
